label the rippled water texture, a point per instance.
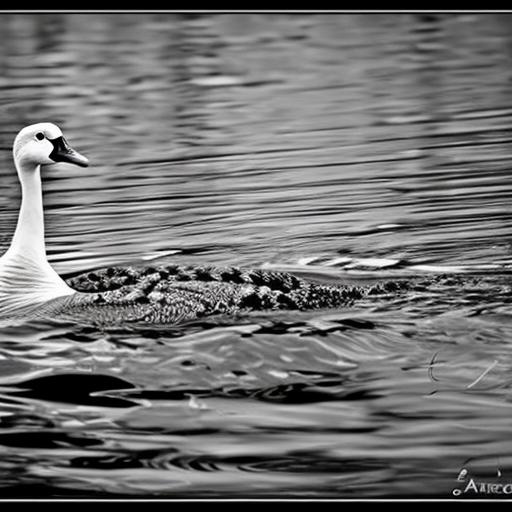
(345, 147)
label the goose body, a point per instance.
(174, 293)
(168, 294)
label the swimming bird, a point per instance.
(169, 294)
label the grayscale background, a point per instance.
(349, 147)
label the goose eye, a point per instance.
(40, 136)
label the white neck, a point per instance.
(29, 235)
(26, 277)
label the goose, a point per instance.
(168, 294)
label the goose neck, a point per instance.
(29, 235)
(26, 277)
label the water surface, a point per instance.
(350, 148)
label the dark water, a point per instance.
(348, 147)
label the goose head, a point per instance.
(44, 144)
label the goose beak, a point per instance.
(63, 152)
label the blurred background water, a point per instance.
(351, 147)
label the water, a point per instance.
(344, 147)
